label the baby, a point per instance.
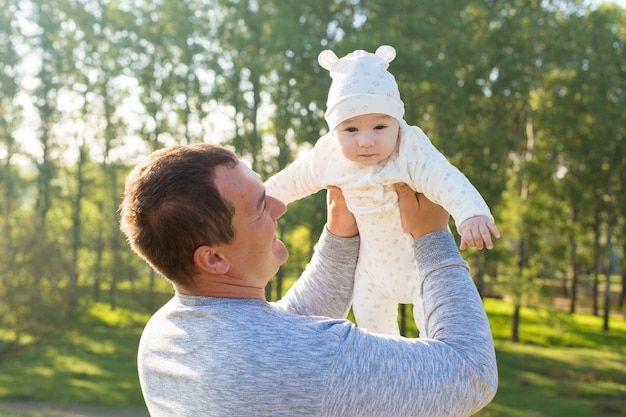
(368, 149)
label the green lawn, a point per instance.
(96, 365)
(564, 366)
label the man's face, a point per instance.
(255, 254)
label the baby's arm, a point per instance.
(298, 180)
(446, 185)
(476, 230)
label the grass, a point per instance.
(543, 381)
(23, 415)
(564, 365)
(95, 365)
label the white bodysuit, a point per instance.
(386, 266)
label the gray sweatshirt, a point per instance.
(203, 356)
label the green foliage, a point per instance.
(526, 98)
(299, 243)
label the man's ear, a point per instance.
(208, 259)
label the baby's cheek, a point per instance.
(348, 153)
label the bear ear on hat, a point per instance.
(386, 52)
(327, 59)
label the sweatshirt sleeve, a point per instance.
(325, 287)
(450, 373)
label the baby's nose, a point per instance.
(366, 140)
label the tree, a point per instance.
(10, 119)
(586, 137)
(38, 260)
(10, 180)
(104, 83)
(607, 104)
(100, 27)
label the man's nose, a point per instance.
(277, 207)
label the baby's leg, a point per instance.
(372, 310)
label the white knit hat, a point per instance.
(361, 85)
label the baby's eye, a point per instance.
(351, 129)
(379, 127)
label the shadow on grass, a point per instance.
(95, 365)
(564, 366)
(536, 381)
(32, 409)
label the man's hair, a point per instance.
(171, 206)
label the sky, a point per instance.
(619, 2)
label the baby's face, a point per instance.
(368, 139)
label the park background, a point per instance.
(526, 97)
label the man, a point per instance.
(202, 219)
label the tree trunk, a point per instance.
(8, 196)
(574, 277)
(596, 263)
(403, 319)
(97, 280)
(622, 297)
(525, 194)
(573, 293)
(515, 320)
(479, 273)
(115, 244)
(611, 257)
(73, 293)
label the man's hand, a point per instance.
(419, 215)
(340, 220)
(476, 230)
